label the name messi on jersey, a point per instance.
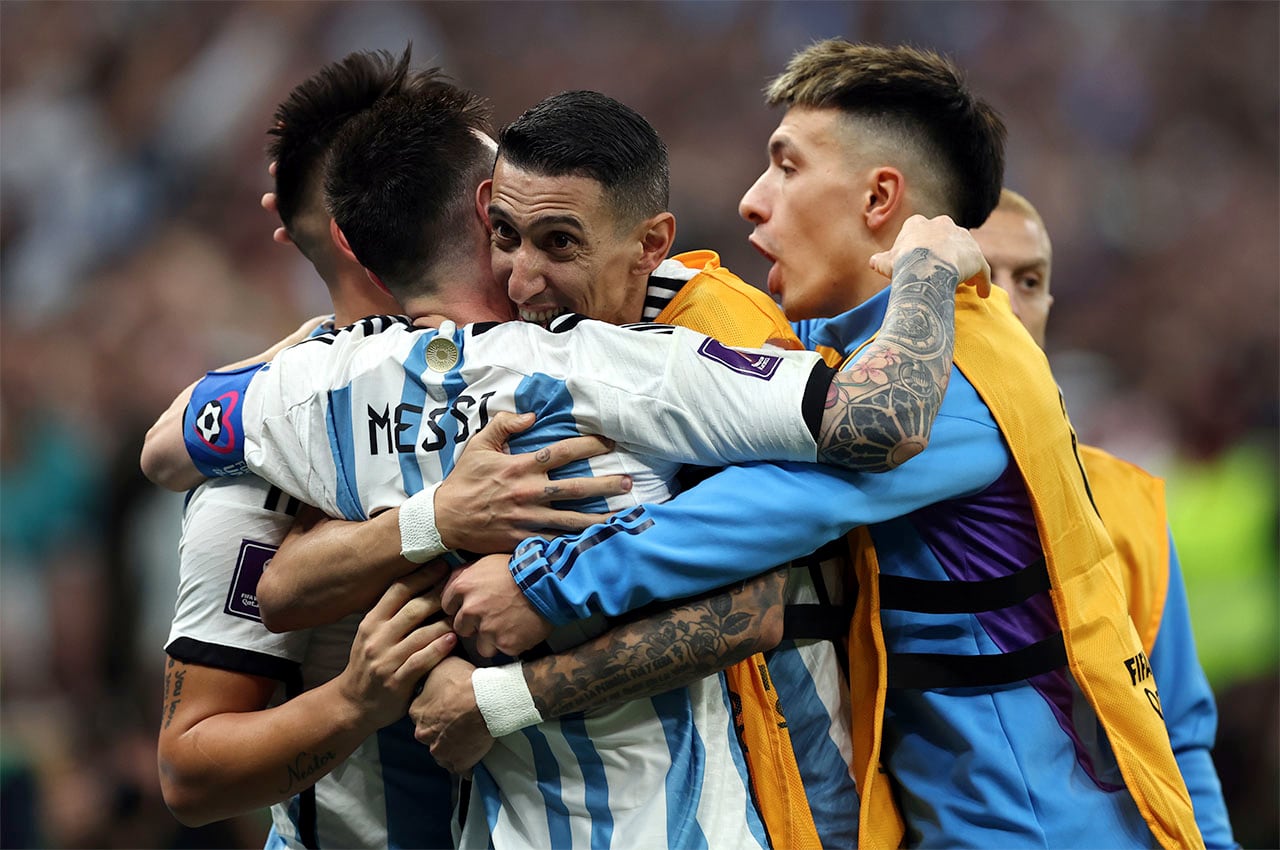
(395, 430)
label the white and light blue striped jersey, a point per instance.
(352, 420)
(355, 421)
(230, 530)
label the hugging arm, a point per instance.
(645, 657)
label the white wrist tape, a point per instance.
(503, 697)
(419, 538)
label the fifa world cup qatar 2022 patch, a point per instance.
(750, 363)
(242, 599)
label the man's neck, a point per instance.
(355, 296)
(463, 305)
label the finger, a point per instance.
(434, 572)
(553, 523)
(401, 591)
(504, 424)
(485, 645)
(430, 320)
(571, 449)
(271, 169)
(882, 263)
(560, 489)
(452, 596)
(982, 280)
(282, 236)
(268, 201)
(414, 613)
(437, 649)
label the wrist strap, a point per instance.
(419, 538)
(503, 697)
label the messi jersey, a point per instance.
(230, 530)
(355, 421)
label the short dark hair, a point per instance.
(588, 134)
(402, 180)
(307, 121)
(918, 94)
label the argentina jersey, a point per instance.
(377, 797)
(355, 421)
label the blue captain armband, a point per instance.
(211, 426)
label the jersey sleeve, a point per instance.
(1189, 710)
(742, 521)
(212, 425)
(230, 531)
(687, 397)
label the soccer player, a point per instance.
(579, 192)
(999, 689)
(308, 723)
(228, 743)
(1131, 502)
(365, 480)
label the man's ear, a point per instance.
(340, 239)
(885, 197)
(657, 235)
(484, 193)
(377, 281)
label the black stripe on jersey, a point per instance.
(483, 327)
(281, 503)
(659, 294)
(567, 322)
(814, 402)
(371, 325)
(649, 327)
(236, 660)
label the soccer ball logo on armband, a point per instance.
(209, 422)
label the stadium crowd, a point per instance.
(131, 161)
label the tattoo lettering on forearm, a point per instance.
(661, 652)
(173, 676)
(303, 772)
(890, 393)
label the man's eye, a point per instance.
(1030, 282)
(503, 232)
(560, 241)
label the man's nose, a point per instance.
(526, 279)
(752, 206)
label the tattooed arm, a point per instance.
(642, 658)
(880, 408)
(222, 752)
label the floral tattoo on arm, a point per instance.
(663, 651)
(889, 394)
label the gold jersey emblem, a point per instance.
(441, 354)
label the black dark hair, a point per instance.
(402, 179)
(588, 134)
(309, 118)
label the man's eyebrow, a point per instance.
(778, 146)
(551, 219)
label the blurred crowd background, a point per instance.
(135, 256)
